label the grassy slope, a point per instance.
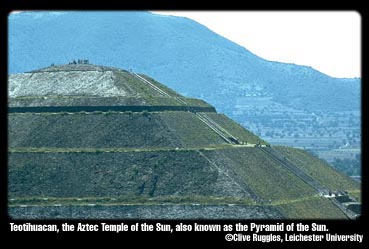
(133, 85)
(267, 179)
(235, 129)
(158, 177)
(319, 170)
(312, 208)
(189, 129)
(136, 87)
(89, 130)
(109, 174)
(103, 130)
(275, 185)
(356, 194)
(154, 176)
(161, 86)
(117, 130)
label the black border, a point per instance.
(335, 226)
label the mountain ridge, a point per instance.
(151, 27)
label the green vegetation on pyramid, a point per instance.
(319, 169)
(99, 140)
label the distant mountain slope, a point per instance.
(176, 51)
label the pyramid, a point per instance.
(89, 141)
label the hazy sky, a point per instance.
(328, 41)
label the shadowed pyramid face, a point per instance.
(89, 141)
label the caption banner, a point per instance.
(239, 232)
